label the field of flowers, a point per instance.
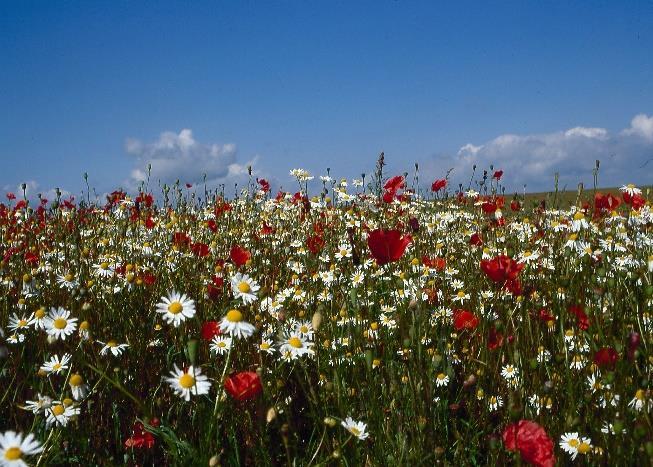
(366, 323)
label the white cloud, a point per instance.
(534, 159)
(641, 125)
(181, 157)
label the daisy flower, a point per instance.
(67, 281)
(441, 380)
(56, 364)
(78, 387)
(355, 428)
(244, 287)
(16, 322)
(60, 414)
(39, 405)
(220, 345)
(573, 444)
(188, 381)
(175, 308)
(232, 323)
(631, 189)
(59, 324)
(113, 347)
(295, 346)
(509, 372)
(13, 447)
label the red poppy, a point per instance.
(189, 185)
(495, 339)
(239, 255)
(504, 270)
(532, 442)
(265, 185)
(515, 205)
(437, 263)
(395, 183)
(214, 289)
(463, 319)
(244, 385)
(606, 357)
(212, 225)
(498, 174)
(210, 329)
(582, 321)
(141, 438)
(11, 196)
(387, 246)
(476, 240)
(315, 243)
(439, 184)
(605, 202)
(200, 250)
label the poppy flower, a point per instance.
(606, 202)
(532, 442)
(395, 183)
(265, 185)
(439, 184)
(215, 287)
(212, 225)
(141, 438)
(606, 357)
(210, 329)
(503, 270)
(387, 246)
(243, 386)
(315, 243)
(498, 174)
(582, 321)
(476, 240)
(515, 205)
(463, 319)
(495, 339)
(201, 250)
(239, 255)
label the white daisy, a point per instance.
(59, 414)
(56, 364)
(232, 323)
(39, 405)
(77, 386)
(573, 444)
(355, 428)
(220, 345)
(441, 380)
(113, 347)
(189, 381)
(176, 308)
(13, 447)
(59, 324)
(244, 287)
(22, 322)
(294, 346)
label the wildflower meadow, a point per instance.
(373, 321)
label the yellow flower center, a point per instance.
(639, 395)
(175, 308)
(40, 313)
(578, 216)
(58, 410)
(265, 346)
(584, 448)
(56, 366)
(527, 254)
(13, 453)
(574, 443)
(60, 323)
(76, 380)
(461, 293)
(112, 344)
(244, 287)
(186, 381)
(104, 266)
(355, 431)
(69, 277)
(441, 376)
(303, 329)
(343, 252)
(295, 342)
(22, 323)
(234, 316)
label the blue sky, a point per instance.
(197, 87)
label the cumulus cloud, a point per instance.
(625, 157)
(179, 156)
